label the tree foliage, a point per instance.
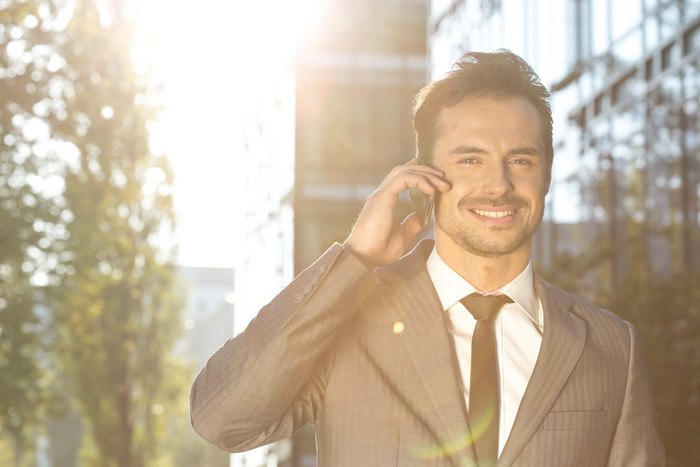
(26, 211)
(86, 223)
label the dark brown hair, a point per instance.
(475, 75)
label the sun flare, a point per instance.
(217, 61)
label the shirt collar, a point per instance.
(451, 287)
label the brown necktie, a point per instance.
(483, 382)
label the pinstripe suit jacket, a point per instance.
(328, 351)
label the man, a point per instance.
(381, 352)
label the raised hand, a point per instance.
(377, 238)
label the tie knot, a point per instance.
(484, 306)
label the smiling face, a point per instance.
(493, 153)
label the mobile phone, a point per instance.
(422, 204)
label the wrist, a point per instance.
(362, 257)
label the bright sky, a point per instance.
(215, 58)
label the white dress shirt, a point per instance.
(518, 328)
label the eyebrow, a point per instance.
(463, 149)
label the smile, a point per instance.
(493, 214)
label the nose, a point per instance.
(496, 180)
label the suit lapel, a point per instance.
(415, 303)
(562, 344)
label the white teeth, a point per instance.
(494, 214)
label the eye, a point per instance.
(522, 162)
(468, 161)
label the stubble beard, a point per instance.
(494, 241)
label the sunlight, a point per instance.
(245, 39)
(269, 32)
(217, 60)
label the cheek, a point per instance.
(447, 203)
(533, 187)
(444, 203)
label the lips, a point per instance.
(494, 214)
(496, 209)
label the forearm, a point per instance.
(267, 382)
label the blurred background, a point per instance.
(166, 167)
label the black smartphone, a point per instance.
(422, 203)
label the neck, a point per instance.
(486, 273)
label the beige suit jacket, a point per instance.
(329, 350)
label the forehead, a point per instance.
(496, 117)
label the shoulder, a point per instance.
(600, 321)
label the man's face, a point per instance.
(493, 154)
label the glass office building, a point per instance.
(635, 77)
(624, 76)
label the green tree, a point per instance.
(27, 213)
(86, 223)
(116, 310)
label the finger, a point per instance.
(429, 181)
(435, 176)
(416, 165)
(413, 168)
(429, 184)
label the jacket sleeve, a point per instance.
(636, 441)
(267, 382)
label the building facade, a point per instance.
(635, 77)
